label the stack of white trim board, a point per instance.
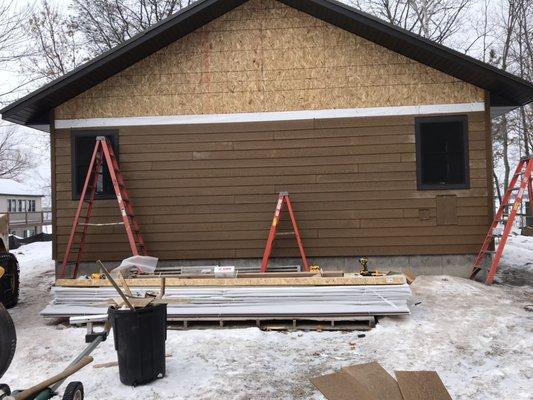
(281, 296)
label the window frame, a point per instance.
(74, 134)
(463, 119)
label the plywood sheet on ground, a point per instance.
(421, 385)
(376, 379)
(341, 386)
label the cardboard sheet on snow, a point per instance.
(376, 379)
(341, 386)
(421, 385)
(371, 382)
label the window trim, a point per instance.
(73, 175)
(418, 138)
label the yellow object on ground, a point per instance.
(315, 268)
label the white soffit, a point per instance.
(432, 109)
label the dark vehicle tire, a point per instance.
(8, 340)
(74, 391)
(4, 390)
(9, 283)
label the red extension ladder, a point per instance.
(521, 180)
(283, 198)
(103, 152)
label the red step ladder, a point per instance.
(283, 198)
(103, 152)
(521, 180)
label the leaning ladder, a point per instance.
(103, 152)
(521, 180)
(283, 199)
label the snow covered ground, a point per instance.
(478, 338)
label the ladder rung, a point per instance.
(103, 224)
(284, 233)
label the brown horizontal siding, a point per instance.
(209, 191)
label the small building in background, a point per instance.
(23, 205)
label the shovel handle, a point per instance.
(28, 393)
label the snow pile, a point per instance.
(35, 262)
(478, 338)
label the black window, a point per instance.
(442, 153)
(83, 144)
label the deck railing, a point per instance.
(30, 218)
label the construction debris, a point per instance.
(372, 382)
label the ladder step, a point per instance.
(102, 224)
(285, 233)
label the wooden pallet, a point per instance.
(361, 323)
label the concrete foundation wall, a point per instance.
(456, 265)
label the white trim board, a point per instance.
(431, 109)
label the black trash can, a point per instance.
(140, 337)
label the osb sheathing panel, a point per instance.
(265, 56)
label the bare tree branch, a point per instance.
(14, 158)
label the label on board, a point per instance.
(225, 272)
